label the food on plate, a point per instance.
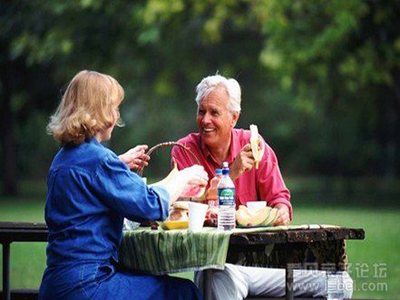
(211, 219)
(262, 217)
(179, 211)
(178, 216)
(257, 144)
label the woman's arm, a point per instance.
(177, 181)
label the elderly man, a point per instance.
(218, 100)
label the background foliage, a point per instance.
(321, 79)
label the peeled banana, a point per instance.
(257, 144)
(174, 172)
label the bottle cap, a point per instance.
(225, 169)
(218, 171)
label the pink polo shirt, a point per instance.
(265, 184)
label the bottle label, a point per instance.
(226, 196)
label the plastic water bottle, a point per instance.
(226, 201)
(212, 193)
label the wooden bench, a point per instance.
(18, 232)
(24, 294)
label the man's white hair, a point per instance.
(231, 86)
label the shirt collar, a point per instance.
(232, 149)
(96, 142)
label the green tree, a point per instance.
(321, 79)
(341, 59)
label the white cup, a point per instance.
(256, 205)
(197, 215)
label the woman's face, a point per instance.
(214, 120)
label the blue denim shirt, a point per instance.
(90, 191)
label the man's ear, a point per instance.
(235, 118)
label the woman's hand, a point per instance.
(244, 161)
(176, 181)
(135, 158)
(283, 215)
(194, 175)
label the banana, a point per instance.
(257, 144)
(174, 172)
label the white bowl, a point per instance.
(256, 205)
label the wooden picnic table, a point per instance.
(318, 248)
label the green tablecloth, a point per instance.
(161, 252)
(169, 251)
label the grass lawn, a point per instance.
(374, 262)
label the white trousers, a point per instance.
(239, 282)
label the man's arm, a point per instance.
(283, 215)
(273, 188)
(270, 182)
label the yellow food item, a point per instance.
(245, 209)
(243, 218)
(257, 144)
(174, 172)
(171, 225)
(246, 217)
(273, 214)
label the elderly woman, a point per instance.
(90, 191)
(218, 100)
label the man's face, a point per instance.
(214, 120)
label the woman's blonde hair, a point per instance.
(89, 104)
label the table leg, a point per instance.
(6, 271)
(207, 284)
(289, 282)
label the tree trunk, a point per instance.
(8, 146)
(396, 123)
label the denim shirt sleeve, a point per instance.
(124, 191)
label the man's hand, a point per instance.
(283, 215)
(244, 161)
(135, 157)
